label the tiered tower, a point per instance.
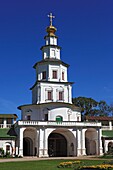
(51, 93)
(51, 73)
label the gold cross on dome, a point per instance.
(51, 18)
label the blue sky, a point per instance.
(85, 32)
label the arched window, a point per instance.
(59, 118)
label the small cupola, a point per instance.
(51, 29)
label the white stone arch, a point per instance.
(70, 138)
(91, 141)
(30, 141)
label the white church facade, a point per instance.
(51, 126)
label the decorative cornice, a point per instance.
(50, 82)
(50, 60)
(54, 46)
(56, 104)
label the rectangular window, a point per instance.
(49, 95)
(60, 95)
(7, 147)
(77, 118)
(28, 117)
(54, 74)
(44, 75)
(62, 75)
(46, 117)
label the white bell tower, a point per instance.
(51, 73)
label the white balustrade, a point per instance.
(55, 123)
(5, 126)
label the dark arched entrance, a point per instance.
(27, 147)
(57, 145)
(110, 147)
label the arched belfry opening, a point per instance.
(27, 146)
(57, 145)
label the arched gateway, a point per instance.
(27, 147)
(57, 145)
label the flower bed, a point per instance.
(69, 164)
(97, 167)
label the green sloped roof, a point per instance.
(107, 133)
(4, 133)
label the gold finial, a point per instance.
(51, 18)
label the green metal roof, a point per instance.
(4, 133)
(107, 133)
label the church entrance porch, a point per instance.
(57, 145)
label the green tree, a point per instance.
(111, 109)
(104, 108)
(91, 107)
(87, 105)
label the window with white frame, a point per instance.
(61, 95)
(63, 75)
(54, 74)
(49, 95)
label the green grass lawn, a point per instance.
(41, 165)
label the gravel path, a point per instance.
(51, 158)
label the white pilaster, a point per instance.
(78, 142)
(83, 142)
(100, 149)
(21, 141)
(110, 125)
(41, 142)
(45, 143)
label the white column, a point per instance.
(45, 143)
(21, 141)
(78, 142)
(41, 142)
(5, 123)
(110, 125)
(83, 142)
(100, 149)
(70, 94)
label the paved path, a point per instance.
(51, 158)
